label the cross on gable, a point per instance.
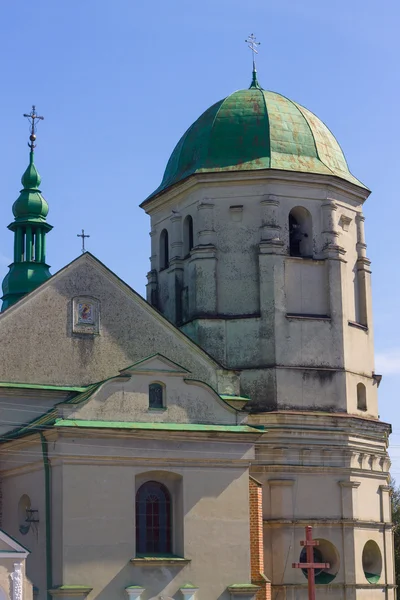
(83, 235)
(310, 566)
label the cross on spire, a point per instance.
(32, 118)
(253, 45)
(83, 235)
(310, 566)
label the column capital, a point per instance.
(134, 592)
(188, 591)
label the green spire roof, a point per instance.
(252, 130)
(30, 204)
(29, 268)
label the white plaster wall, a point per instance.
(185, 402)
(99, 534)
(20, 476)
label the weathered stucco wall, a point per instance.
(288, 312)
(130, 330)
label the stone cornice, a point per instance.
(339, 522)
(262, 177)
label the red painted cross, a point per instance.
(309, 565)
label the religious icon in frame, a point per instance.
(85, 315)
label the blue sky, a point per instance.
(118, 83)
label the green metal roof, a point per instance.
(157, 426)
(30, 204)
(39, 386)
(256, 129)
(79, 395)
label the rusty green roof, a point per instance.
(256, 129)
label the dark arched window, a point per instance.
(361, 397)
(300, 232)
(153, 519)
(156, 395)
(187, 235)
(164, 249)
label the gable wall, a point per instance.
(52, 354)
(129, 401)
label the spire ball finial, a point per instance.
(32, 118)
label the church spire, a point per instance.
(28, 269)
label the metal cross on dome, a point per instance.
(310, 566)
(33, 117)
(253, 45)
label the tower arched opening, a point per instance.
(300, 232)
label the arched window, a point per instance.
(156, 395)
(300, 232)
(361, 397)
(164, 249)
(187, 235)
(153, 519)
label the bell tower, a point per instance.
(259, 254)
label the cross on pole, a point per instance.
(32, 118)
(310, 565)
(83, 236)
(253, 45)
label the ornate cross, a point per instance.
(83, 236)
(310, 565)
(253, 45)
(33, 117)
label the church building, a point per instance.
(177, 447)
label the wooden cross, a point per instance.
(83, 236)
(310, 565)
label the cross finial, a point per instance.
(253, 45)
(33, 117)
(83, 236)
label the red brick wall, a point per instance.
(257, 541)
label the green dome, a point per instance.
(30, 203)
(256, 129)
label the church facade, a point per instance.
(178, 447)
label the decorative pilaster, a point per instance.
(331, 247)
(385, 503)
(205, 217)
(271, 241)
(349, 498)
(363, 274)
(154, 250)
(17, 578)
(176, 236)
(152, 288)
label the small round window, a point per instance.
(24, 506)
(325, 552)
(372, 562)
